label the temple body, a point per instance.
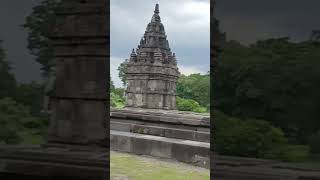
(152, 70)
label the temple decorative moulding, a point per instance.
(152, 71)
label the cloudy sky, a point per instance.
(250, 20)
(187, 27)
(186, 23)
(12, 16)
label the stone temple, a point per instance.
(152, 70)
(150, 124)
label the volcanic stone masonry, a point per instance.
(152, 70)
(79, 40)
(78, 138)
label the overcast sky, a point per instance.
(12, 16)
(187, 27)
(250, 20)
(186, 23)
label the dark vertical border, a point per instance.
(108, 86)
(217, 40)
(212, 5)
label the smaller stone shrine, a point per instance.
(152, 70)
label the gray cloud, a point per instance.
(250, 20)
(245, 20)
(186, 24)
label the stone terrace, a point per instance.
(172, 134)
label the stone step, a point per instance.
(162, 124)
(61, 163)
(161, 131)
(187, 151)
(162, 116)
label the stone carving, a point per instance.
(78, 100)
(152, 70)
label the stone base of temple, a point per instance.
(17, 162)
(182, 136)
(185, 137)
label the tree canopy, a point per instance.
(275, 80)
(38, 25)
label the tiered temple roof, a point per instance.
(152, 69)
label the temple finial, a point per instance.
(156, 10)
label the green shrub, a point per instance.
(116, 97)
(189, 105)
(248, 138)
(116, 100)
(196, 87)
(16, 118)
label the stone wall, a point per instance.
(80, 43)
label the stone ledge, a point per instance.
(165, 116)
(57, 162)
(196, 153)
(177, 133)
(241, 168)
(162, 125)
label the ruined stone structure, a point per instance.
(152, 70)
(78, 137)
(79, 40)
(149, 124)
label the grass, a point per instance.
(137, 168)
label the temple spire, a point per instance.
(156, 17)
(156, 10)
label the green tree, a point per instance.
(38, 24)
(195, 87)
(7, 80)
(275, 80)
(116, 96)
(112, 87)
(122, 72)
